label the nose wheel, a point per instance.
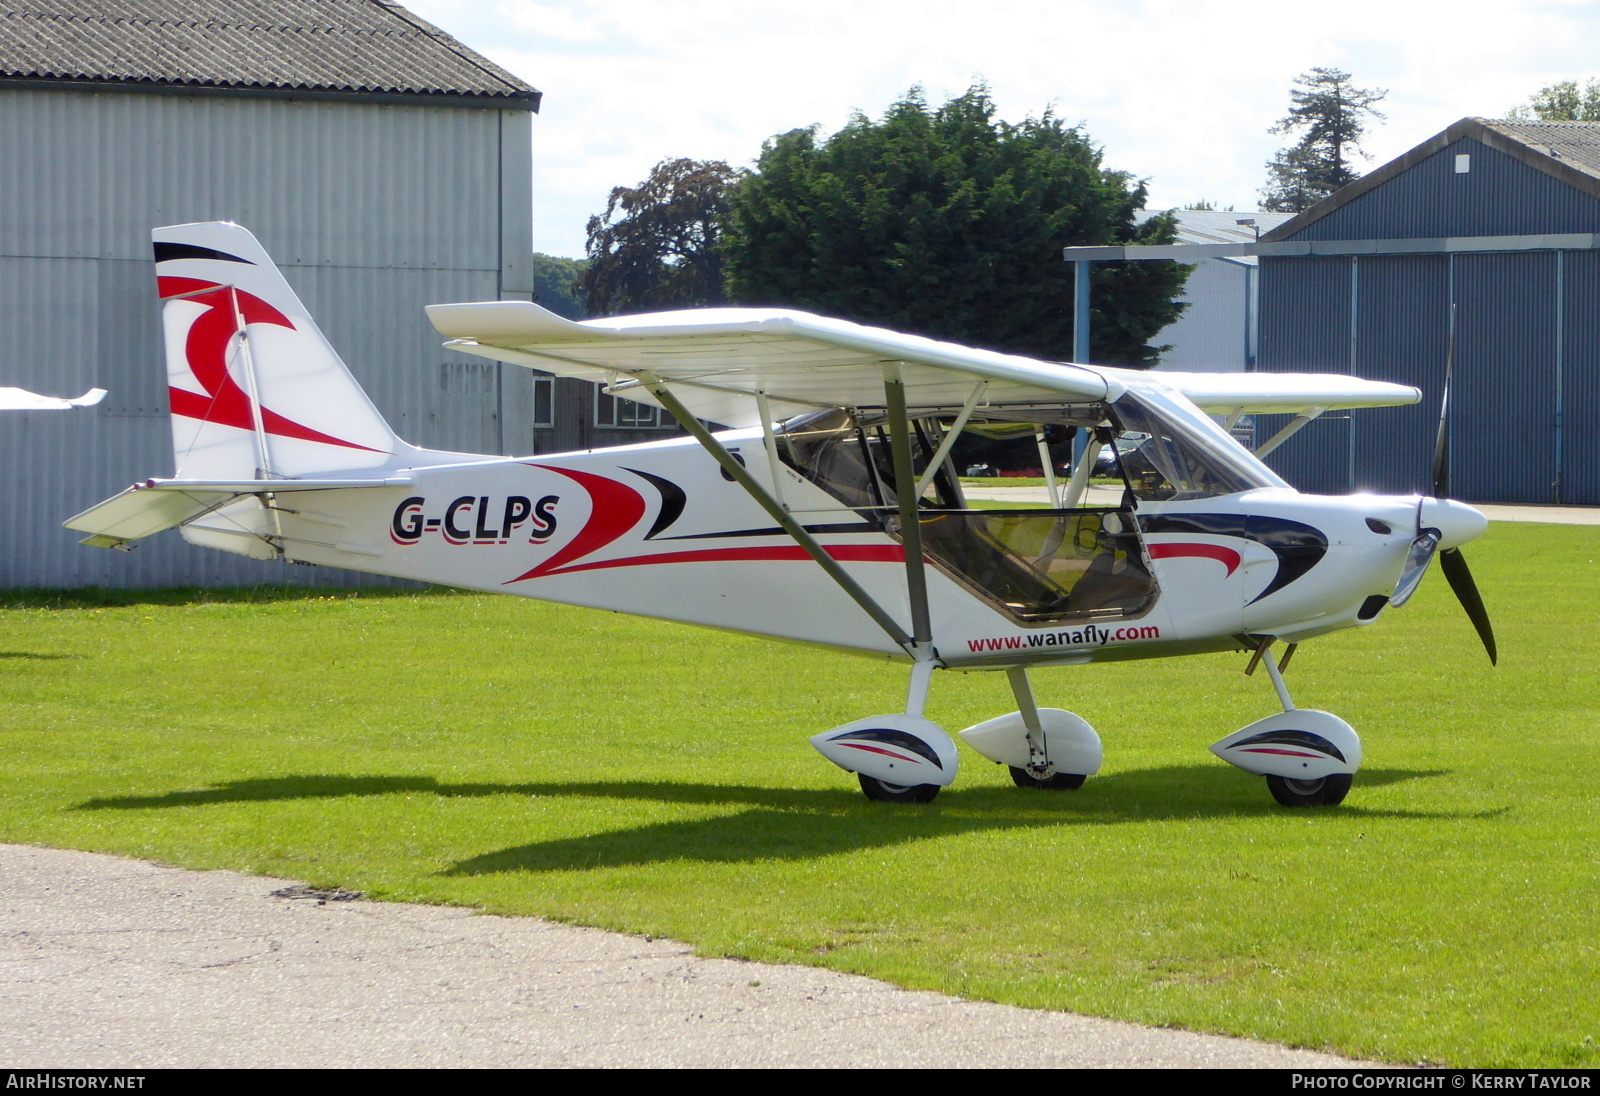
(1326, 792)
(884, 792)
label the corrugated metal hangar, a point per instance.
(1492, 229)
(1498, 222)
(1217, 331)
(383, 164)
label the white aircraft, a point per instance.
(829, 513)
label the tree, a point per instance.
(1562, 102)
(948, 223)
(1331, 117)
(554, 281)
(655, 247)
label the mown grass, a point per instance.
(654, 778)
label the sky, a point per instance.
(1179, 94)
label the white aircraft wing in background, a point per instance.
(20, 399)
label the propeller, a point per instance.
(1429, 537)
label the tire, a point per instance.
(884, 792)
(1059, 782)
(1327, 792)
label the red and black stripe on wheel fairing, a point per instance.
(1298, 546)
(1289, 742)
(873, 740)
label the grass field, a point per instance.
(654, 778)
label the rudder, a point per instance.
(256, 389)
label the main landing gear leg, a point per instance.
(1308, 757)
(1039, 772)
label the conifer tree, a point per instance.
(1330, 117)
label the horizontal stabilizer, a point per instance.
(157, 505)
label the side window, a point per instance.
(829, 450)
(1043, 565)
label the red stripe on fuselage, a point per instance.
(1225, 556)
(614, 508)
(844, 553)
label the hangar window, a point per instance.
(622, 414)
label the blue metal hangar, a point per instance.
(1496, 223)
(1490, 229)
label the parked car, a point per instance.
(1128, 444)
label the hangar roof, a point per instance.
(1568, 151)
(364, 49)
(1216, 226)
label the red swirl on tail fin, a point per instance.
(206, 350)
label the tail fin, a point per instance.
(257, 391)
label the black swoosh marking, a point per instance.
(672, 501)
(1299, 547)
(166, 251)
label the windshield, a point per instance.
(1179, 459)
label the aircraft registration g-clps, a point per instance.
(827, 512)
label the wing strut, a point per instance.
(905, 478)
(1288, 431)
(951, 435)
(732, 467)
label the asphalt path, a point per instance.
(121, 964)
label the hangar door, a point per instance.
(1526, 422)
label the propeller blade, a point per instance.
(1417, 560)
(1441, 445)
(1455, 569)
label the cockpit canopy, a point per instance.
(1037, 566)
(846, 452)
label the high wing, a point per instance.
(1279, 393)
(719, 359)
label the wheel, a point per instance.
(1327, 792)
(884, 792)
(1058, 782)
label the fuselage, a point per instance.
(659, 530)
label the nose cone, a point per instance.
(1456, 521)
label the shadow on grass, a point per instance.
(29, 656)
(1173, 791)
(794, 823)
